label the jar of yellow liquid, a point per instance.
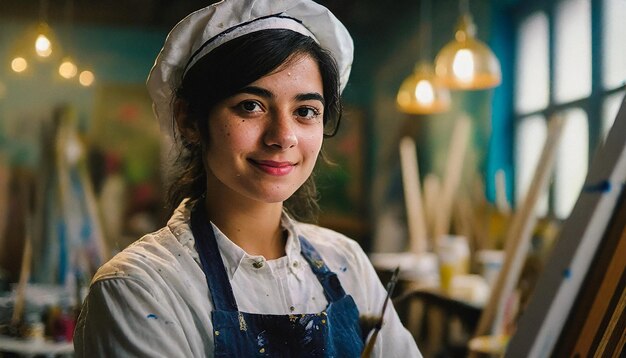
(453, 254)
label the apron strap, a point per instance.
(217, 279)
(332, 287)
(219, 286)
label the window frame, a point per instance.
(591, 105)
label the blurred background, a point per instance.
(453, 98)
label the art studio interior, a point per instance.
(481, 151)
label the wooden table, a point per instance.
(31, 348)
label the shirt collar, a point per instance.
(233, 255)
(180, 227)
(292, 247)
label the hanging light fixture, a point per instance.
(41, 38)
(67, 68)
(423, 92)
(86, 78)
(35, 44)
(19, 64)
(43, 45)
(43, 41)
(466, 62)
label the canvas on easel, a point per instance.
(542, 321)
(596, 323)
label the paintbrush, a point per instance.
(378, 321)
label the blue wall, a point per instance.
(116, 56)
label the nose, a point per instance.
(280, 131)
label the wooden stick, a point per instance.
(391, 285)
(94, 215)
(412, 196)
(561, 281)
(519, 235)
(600, 305)
(369, 348)
(431, 200)
(461, 217)
(502, 203)
(5, 179)
(454, 169)
(20, 294)
(479, 213)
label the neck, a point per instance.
(254, 226)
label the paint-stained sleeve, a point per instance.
(121, 318)
(394, 340)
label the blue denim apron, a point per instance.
(334, 332)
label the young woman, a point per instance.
(248, 89)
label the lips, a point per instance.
(275, 168)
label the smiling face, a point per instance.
(265, 139)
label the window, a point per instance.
(609, 111)
(571, 165)
(531, 93)
(614, 29)
(570, 61)
(573, 50)
(531, 137)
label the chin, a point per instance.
(276, 196)
(272, 199)
(268, 192)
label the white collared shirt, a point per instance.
(152, 299)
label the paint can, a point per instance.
(33, 328)
(453, 254)
(490, 263)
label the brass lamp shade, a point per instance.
(467, 63)
(422, 92)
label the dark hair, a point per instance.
(219, 75)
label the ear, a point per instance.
(185, 125)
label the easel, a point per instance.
(518, 238)
(595, 326)
(584, 231)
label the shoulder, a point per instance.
(152, 256)
(346, 258)
(341, 254)
(327, 240)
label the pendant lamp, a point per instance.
(38, 42)
(423, 92)
(68, 69)
(466, 62)
(44, 41)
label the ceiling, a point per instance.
(160, 14)
(131, 13)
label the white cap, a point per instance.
(206, 29)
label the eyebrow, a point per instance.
(257, 91)
(310, 96)
(262, 92)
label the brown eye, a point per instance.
(307, 112)
(250, 106)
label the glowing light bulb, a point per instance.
(19, 64)
(463, 65)
(43, 46)
(86, 78)
(424, 92)
(68, 69)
